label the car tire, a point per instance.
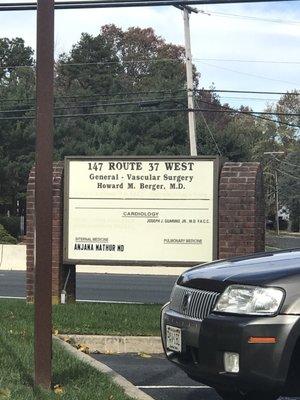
(230, 395)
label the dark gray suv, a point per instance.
(235, 325)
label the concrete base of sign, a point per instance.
(119, 380)
(117, 344)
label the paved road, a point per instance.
(283, 241)
(113, 287)
(12, 283)
(159, 378)
(146, 289)
(105, 287)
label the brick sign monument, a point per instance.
(147, 211)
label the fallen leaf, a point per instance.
(83, 348)
(58, 389)
(144, 355)
(55, 332)
(66, 339)
(5, 393)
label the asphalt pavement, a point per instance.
(102, 287)
(159, 378)
(283, 241)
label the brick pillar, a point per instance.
(29, 238)
(241, 210)
(59, 272)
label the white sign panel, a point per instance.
(146, 211)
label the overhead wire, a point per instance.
(210, 131)
(79, 4)
(170, 92)
(286, 162)
(154, 60)
(290, 175)
(255, 114)
(141, 103)
(246, 61)
(226, 110)
(185, 110)
(111, 95)
(250, 74)
(78, 64)
(252, 17)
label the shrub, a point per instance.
(5, 237)
(11, 224)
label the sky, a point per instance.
(235, 47)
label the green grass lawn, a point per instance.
(79, 381)
(107, 319)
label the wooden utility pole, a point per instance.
(190, 82)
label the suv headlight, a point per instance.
(250, 300)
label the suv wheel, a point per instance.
(228, 395)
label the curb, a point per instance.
(119, 380)
(118, 344)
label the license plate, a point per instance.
(173, 335)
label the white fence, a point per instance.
(12, 257)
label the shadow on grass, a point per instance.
(18, 363)
(68, 375)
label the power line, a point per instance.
(63, 5)
(110, 95)
(246, 61)
(275, 20)
(210, 131)
(287, 163)
(248, 92)
(254, 114)
(101, 114)
(185, 110)
(249, 74)
(248, 98)
(170, 92)
(148, 103)
(141, 103)
(96, 63)
(156, 60)
(290, 175)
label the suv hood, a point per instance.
(264, 269)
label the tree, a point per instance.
(147, 71)
(119, 74)
(289, 184)
(16, 136)
(13, 52)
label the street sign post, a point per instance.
(43, 193)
